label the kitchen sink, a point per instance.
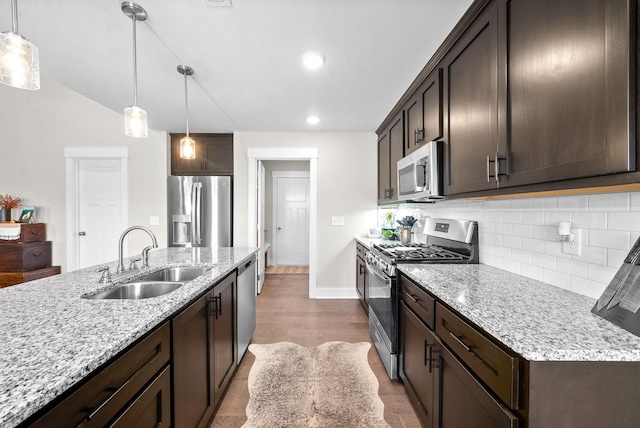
(178, 274)
(138, 290)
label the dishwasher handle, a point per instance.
(246, 266)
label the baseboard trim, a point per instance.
(334, 293)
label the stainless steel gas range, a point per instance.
(447, 241)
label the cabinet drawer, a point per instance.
(107, 393)
(497, 369)
(20, 257)
(419, 301)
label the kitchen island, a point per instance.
(515, 351)
(51, 337)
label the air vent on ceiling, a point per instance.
(221, 3)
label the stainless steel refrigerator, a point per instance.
(199, 211)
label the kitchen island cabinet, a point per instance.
(203, 354)
(53, 341)
(516, 351)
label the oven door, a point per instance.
(383, 302)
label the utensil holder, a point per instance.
(405, 235)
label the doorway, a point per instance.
(255, 155)
(96, 204)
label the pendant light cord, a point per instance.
(14, 16)
(135, 63)
(186, 103)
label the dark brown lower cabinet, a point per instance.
(203, 354)
(133, 390)
(445, 393)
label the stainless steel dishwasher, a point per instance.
(246, 309)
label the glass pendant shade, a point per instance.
(19, 65)
(135, 122)
(187, 148)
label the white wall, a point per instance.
(36, 126)
(347, 186)
(519, 235)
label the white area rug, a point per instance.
(330, 385)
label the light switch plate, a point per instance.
(337, 221)
(574, 248)
(154, 220)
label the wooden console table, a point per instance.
(26, 258)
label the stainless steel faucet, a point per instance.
(145, 252)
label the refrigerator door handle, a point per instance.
(196, 214)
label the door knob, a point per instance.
(82, 233)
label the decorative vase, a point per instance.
(5, 214)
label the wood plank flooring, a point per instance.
(286, 313)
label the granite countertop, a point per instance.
(51, 338)
(369, 242)
(536, 320)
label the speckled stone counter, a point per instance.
(369, 242)
(51, 338)
(538, 321)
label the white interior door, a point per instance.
(99, 207)
(291, 219)
(260, 226)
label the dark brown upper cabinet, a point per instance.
(570, 77)
(390, 151)
(423, 113)
(471, 101)
(214, 155)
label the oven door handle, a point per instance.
(387, 281)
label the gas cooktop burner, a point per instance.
(407, 253)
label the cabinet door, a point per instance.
(396, 151)
(152, 408)
(224, 348)
(569, 86)
(413, 120)
(218, 153)
(464, 402)
(192, 359)
(431, 100)
(471, 100)
(416, 369)
(384, 181)
(361, 272)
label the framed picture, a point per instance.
(27, 215)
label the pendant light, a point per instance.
(19, 66)
(187, 145)
(135, 118)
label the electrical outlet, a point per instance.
(575, 247)
(337, 221)
(154, 220)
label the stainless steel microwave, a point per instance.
(420, 174)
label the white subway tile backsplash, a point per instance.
(609, 239)
(573, 203)
(533, 245)
(572, 267)
(592, 289)
(543, 261)
(512, 242)
(589, 220)
(558, 279)
(624, 221)
(520, 235)
(609, 202)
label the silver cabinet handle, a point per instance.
(82, 233)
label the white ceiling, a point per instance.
(248, 72)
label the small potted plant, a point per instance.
(7, 203)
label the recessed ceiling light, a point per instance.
(313, 120)
(313, 60)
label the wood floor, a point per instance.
(285, 313)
